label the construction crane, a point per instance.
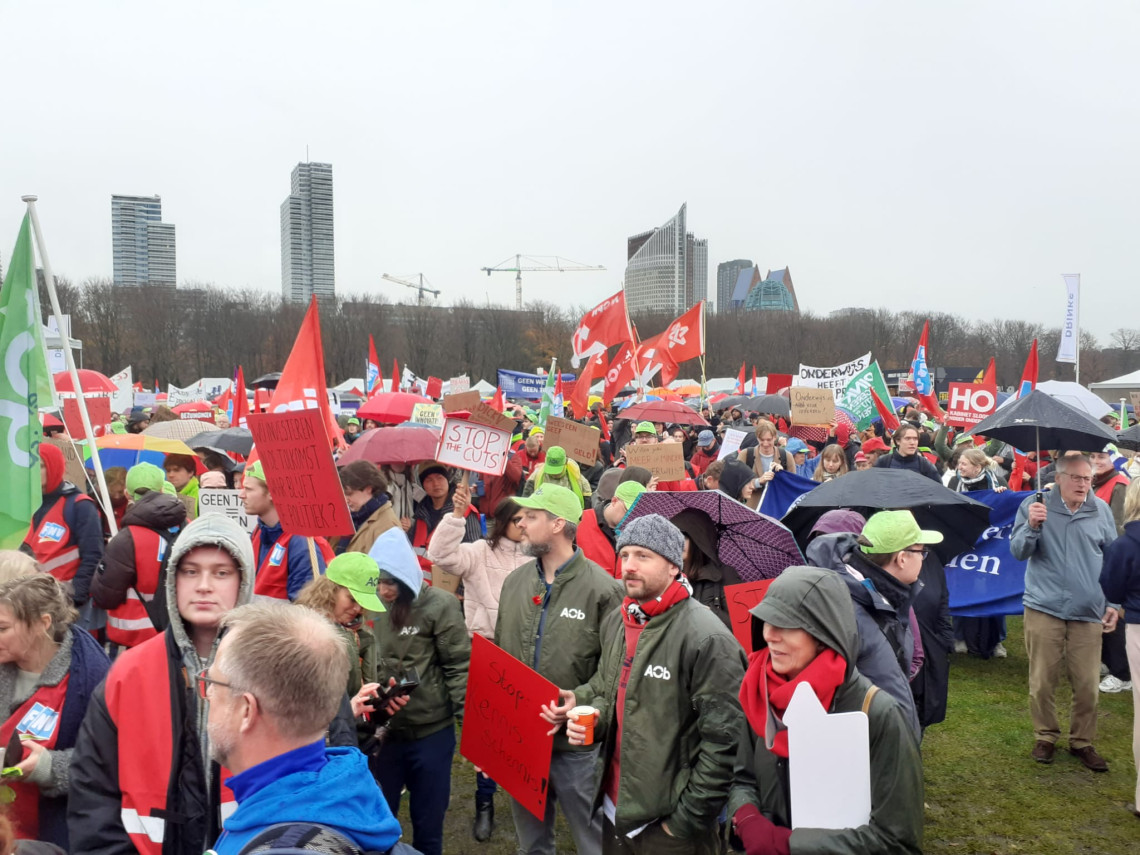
(536, 264)
(420, 287)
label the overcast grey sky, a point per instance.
(956, 156)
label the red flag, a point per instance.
(652, 356)
(604, 425)
(373, 379)
(1028, 383)
(261, 400)
(602, 327)
(497, 402)
(989, 376)
(684, 339)
(241, 401)
(434, 388)
(620, 373)
(889, 417)
(740, 381)
(580, 399)
(396, 377)
(302, 384)
(919, 377)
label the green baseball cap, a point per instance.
(360, 574)
(892, 531)
(144, 477)
(554, 500)
(256, 470)
(627, 492)
(645, 427)
(353, 421)
(555, 463)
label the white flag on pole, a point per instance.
(1071, 328)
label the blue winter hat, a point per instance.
(394, 558)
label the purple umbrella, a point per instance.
(756, 546)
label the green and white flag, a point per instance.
(24, 385)
(548, 407)
(856, 397)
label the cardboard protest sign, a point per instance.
(740, 599)
(229, 503)
(503, 731)
(970, 403)
(835, 377)
(731, 442)
(812, 406)
(1135, 396)
(580, 441)
(665, 460)
(829, 764)
(295, 451)
(443, 580)
(98, 410)
(460, 401)
(428, 414)
(73, 470)
(474, 447)
(485, 414)
(191, 505)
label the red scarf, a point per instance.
(765, 692)
(635, 613)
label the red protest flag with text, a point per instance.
(241, 401)
(602, 327)
(619, 374)
(580, 399)
(652, 355)
(684, 339)
(373, 379)
(890, 417)
(302, 384)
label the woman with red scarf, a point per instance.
(810, 636)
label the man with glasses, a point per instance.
(142, 777)
(1062, 535)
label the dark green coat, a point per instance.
(681, 722)
(581, 596)
(435, 642)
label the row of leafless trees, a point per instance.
(177, 336)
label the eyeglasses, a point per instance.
(923, 551)
(1080, 479)
(204, 682)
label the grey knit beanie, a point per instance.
(656, 533)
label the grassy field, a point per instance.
(984, 794)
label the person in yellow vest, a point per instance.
(559, 470)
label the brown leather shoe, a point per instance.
(1043, 751)
(1091, 760)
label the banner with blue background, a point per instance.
(516, 384)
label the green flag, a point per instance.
(857, 395)
(24, 383)
(548, 407)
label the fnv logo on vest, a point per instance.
(40, 722)
(277, 555)
(52, 531)
(659, 672)
(576, 614)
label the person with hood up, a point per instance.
(420, 634)
(128, 577)
(804, 631)
(707, 450)
(366, 492)
(703, 567)
(597, 532)
(737, 481)
(66, 534)
(141, 776)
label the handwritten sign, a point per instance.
(580, 441)
(428, 414)
(665, 460)
(474, 447)
(812, 406)
(460, 401)
(459, 384)
(307, 494)
(1135, 404)
(731, 442)
(503, 731)
(741, 599)
(229, 503)
(485, 414)
(73, 470)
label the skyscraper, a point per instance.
(667, 269)
(307, 234)
(142, 245)
(727, 272)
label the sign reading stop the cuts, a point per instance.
(474, 447)
(970, 403)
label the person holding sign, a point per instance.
(809, 637)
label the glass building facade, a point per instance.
(667, 269)
(307, 245)
(142, 246)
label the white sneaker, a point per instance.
(1111, 685)
(1103, 670)
(960, 647)
(1000, 652)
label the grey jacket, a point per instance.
(1064, 557)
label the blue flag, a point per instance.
(783, 493)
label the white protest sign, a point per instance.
(428, 414)
(145, 399)
(176, 396)
(829, 764)
(835, 377)
(474, 447)
(123, 396)
(731, 442)
(229, 503)
(459, 384)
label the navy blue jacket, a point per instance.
(1120, 573)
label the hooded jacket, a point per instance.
(86, 533)
(1120, 576)
(706, 574)
(915, 463)
(732, 480)
(818, 603)
(117, 573)
(192, 816)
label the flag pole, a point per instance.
(704, 379)
(49, 279)
(1077, 357)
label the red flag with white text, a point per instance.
(620, 373)
(302, 384)
(602, 327)
(652, 355)
(684, 339)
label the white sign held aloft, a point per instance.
(474, 447)
(731, 442)
(227, 502)
(835, 377)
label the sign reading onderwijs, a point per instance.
(516, 384)
(835, 377)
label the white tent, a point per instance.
(1118, 387)
(484, 388)
(1076, 396)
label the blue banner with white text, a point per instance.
(516, 384)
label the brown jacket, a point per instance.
(380, 521)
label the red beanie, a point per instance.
(52, 459)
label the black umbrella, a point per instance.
(236, 439)
(776, 405)
(738, 401)
(1130, 438)
(267, 381)
(1038, 420)
(960, 519)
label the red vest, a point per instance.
(39, 717)
(138, 698)
(51, 543)
(272, 579)
(1104, 491)
(596, 546)
(129, 624)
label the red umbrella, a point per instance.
(391, 407)
(50, 421)
(91, 382)
(402, 444)
(664, 411)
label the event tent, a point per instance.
(1118, 387)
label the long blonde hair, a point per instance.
(832, 450)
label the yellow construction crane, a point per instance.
(536, 264)
(420, 287)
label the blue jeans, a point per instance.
(424, 767)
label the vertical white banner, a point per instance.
(1071, 328)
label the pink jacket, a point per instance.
(481, 568)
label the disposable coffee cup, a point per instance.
(587, 717)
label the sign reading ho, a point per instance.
(474, 447)
(970, 403)
(229, 503)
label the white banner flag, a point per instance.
(1071, 328)
(835, 377)
(124, 394)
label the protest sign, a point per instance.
(458, 384)
(98, 410)
(856, 398)
(504, 733)
(812, 406)
(580, 441)
(444, 581)
(474, 447)
(187, 395)
(460, 401)
(428, 414)
(970, 403)
(73, 470)
(145, 399)
(740, 599)
(835, 377)
(434, 388)
(666, 460)
(485, 414)
(731, 442)
(776, 382)
(295, 451)
(229, 503)
(1135, 396)
(515, 384)
(123, 396)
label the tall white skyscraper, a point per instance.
(307, 234)
(667, 270)
(142, 245)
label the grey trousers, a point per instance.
(572, 786)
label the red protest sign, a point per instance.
(970, 403)
(503, 731)
(294, 449)
(434, 388)
(474, 447)
(740, 599)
